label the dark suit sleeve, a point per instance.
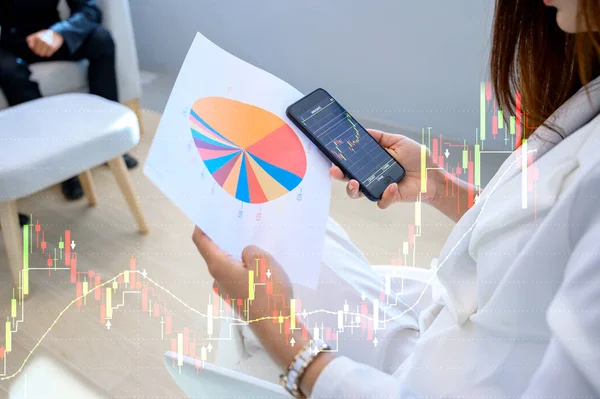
(85, 17)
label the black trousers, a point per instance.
(15, 58)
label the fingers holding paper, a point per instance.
(232, 276)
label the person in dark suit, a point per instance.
(31, 31)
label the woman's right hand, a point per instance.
(408, 153)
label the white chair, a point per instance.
(66, 77)
(46, 141)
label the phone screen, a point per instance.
(346, 142)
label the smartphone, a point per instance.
(346, 143)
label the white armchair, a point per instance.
(69, 76)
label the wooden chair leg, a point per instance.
(119, 170)
(135, 106)
(11, 230)
(88, 187)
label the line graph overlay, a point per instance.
(143, 285)
(237, 319)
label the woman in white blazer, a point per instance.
(514, 308)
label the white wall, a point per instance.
(404, 63)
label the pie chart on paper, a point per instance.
(251, 153)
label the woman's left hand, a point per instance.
(231, 277)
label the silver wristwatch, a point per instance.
(290, 379)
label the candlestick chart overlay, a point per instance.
(107, 295)
(252, 154)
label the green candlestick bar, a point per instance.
(513, 125)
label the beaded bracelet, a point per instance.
(290, 380)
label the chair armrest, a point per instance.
(116, 18)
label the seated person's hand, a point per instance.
(408, 153)
(45, 42)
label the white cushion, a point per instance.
(57, 77)
(60, 77)
(46, 141)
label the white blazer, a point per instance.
(517, 308)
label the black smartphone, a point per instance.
(346, 143)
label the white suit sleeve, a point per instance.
(571, 366)
(344, 378)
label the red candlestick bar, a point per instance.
(363, 312)
(173, 348)
(73, 268)
(97, 292)
(470, 192)
(186, 341)
(495, 125)
(103, 313)
(193, 348)
(132, 275)
(518, 119)
(78, 293)
(67, 248)
(37, 234)
(168, 324)
(263, 270)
